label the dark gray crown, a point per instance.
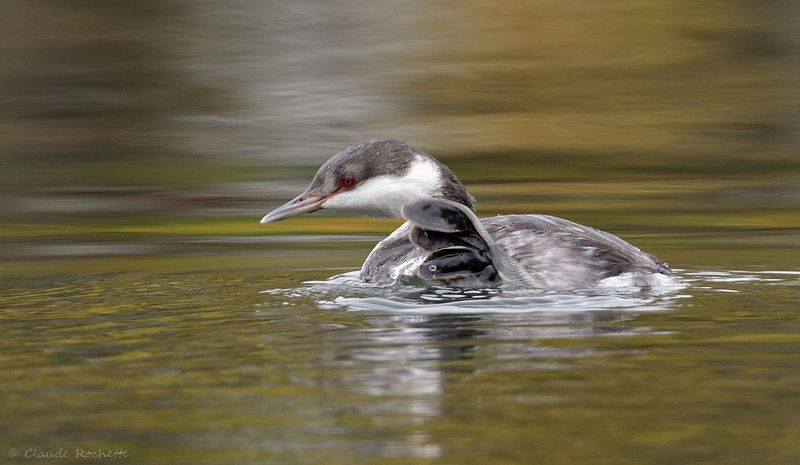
(383, 157)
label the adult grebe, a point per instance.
(444, 240)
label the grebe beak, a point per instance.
(303, 203)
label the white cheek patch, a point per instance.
(385, 195)
(425, 172)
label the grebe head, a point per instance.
(375, 178)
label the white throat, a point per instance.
(385, 195)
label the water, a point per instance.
(144, 309)
(234, 359)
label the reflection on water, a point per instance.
(407, 358)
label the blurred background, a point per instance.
(137, 121)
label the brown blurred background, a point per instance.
(658, 115)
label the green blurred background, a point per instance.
(136, 120)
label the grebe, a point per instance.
(443, 240)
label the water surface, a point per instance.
(230, 358)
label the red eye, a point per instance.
(347, 182)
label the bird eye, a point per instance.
(347, 182)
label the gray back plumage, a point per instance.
(559, 253)
(564, 254)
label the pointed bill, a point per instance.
(303, 203)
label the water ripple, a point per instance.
(347, 292)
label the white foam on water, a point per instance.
(347, 291)
(628, 292)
